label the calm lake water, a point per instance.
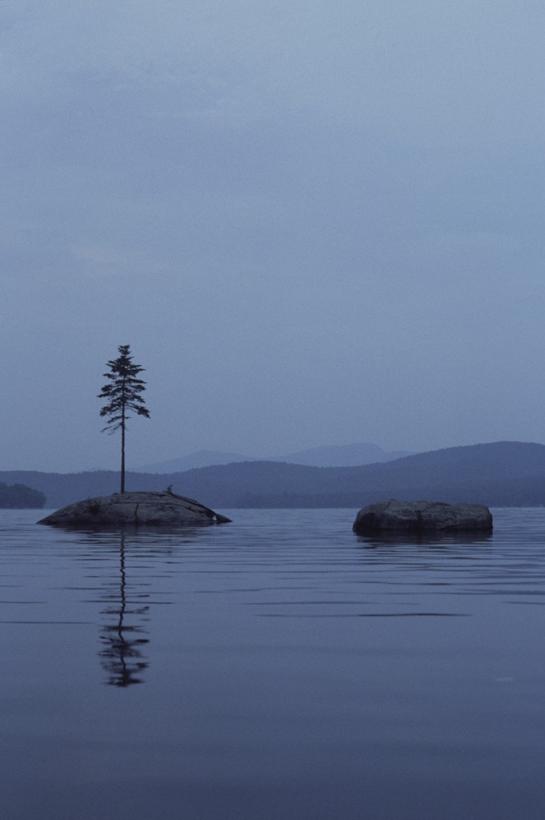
(275, 668)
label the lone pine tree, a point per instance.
(123, 394)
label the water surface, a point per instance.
(275, 668)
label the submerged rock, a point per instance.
(422, 517)
(158, 509)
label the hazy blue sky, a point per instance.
(314, 222)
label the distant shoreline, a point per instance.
(502, 474)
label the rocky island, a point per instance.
(135, 509)
(422, 517)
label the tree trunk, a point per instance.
(123, 453)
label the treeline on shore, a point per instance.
(19, 497)
(501, 474)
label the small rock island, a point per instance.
(422, 517)
(135, 509)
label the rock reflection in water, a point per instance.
(124, 638)
(434, 540)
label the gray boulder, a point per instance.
(158, 509)
(422, 517)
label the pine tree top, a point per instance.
(123, 390)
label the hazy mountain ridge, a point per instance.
(334, 455)
(498, 474)
(343, 455)
(193, 461)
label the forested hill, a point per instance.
(18, 496)
(499, 474)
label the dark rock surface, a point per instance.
(158, 509)
(422, 517)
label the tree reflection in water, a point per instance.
(123, 639)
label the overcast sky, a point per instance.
(315, 223)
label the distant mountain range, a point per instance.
(499, 474)
(192, 461)
(344, 455)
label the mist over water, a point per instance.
(278, 667)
